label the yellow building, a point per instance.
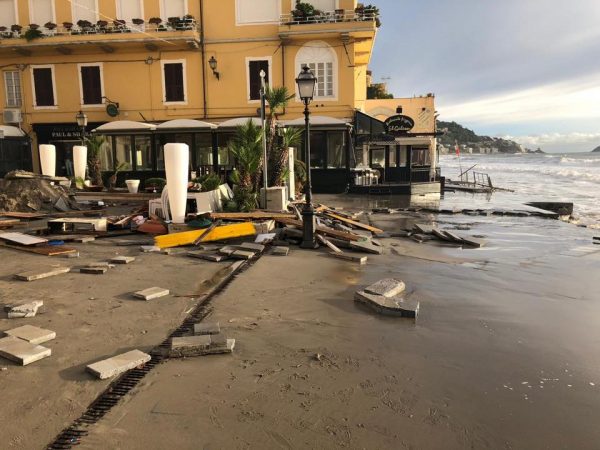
(131, 65)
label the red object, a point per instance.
(457, 148)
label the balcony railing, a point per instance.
(337, 16)
(102, 27)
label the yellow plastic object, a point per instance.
(219, 233)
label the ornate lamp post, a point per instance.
(306, 82)
(82, 122)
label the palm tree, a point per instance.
(277, 98)
(288, 137)
(246, 146)
(94, 145)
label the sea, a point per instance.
(568, 177)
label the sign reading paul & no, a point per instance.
(399, 124)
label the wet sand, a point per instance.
(504, 354)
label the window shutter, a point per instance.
(254, 69)
(42, 81)
(91, 85)
(174, 89)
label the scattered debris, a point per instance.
(213, 257)
(94, 270)
(151, 293)
(265, 238)
(388, 287)
(31, 334)
(219, 233)
(207, 328)
(38, 275)
(385, 298)
(122, 259)
(200, 345)
(25, 310)
(22, 239)
(362, 260)
(22, 352)
(280, 250)
(243, 254)
(251, 246)
(118, 364)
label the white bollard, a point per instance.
(177, 160)
(48, 159)
(79, 161)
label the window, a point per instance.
(323, 5)
(173, 8)
(123, 152)
(250, 12)
(174, 81)
(143, 153)
(84, 10)
(106, 155)
(12, 87)
(8, 13)
(41, 11)
(336, 150)
(403, 156)
(203, 150)
(318, 149)
(129, 9)
(420, 157)
(392, 155)
(90, 78)
(254, 82)
(322, 60)
(225, 156)
(43, 86)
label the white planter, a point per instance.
(48, 159)
(132, 186)
(177, 159)
(79, 161)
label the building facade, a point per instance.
(164, 61)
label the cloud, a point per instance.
(559, 142)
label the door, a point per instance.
(377, 161)
(397, 170)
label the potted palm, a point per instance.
(94, 145)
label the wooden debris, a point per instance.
(219, 233)
(22, 239)
(323, 230)
(326, 242)
(353, 223)
(206, 231)
(362, 260)
(255, 215)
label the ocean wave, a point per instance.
(563, 172)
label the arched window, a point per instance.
(322, 60)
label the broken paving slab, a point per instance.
(201, 345)
(22, 352)
(207, 328)
(25, 310)
(227, 250)
(31, 334)
(390, 306)
(251, 246)
(243, 254)
(122, 259)
(151, 293)
(40, 274)
(362, 260)
(388, 287)
(116, 365)
(367, 247)
(423, 229)
(94, 270)
(474, 242)
(150, 249)
(213, 257)
(280, 250)
(265, 238)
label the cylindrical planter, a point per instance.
(79, 161)
(48, 159)
(177, 159)
(132, 186)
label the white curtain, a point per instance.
(7, 13)
(129, 9)
(41, 11)
(173, 8)
(257, 11)
(84, 10)
(323, 5)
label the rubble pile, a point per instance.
(22, 191)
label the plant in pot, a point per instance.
(112, 180)
(67, 25)
(33, 33)
(50, 26)
(303, 11)
(137, 22)
(119, 25)
(372, 12)
(102, 25)
(94, 147)
(156, 21)
(4, 32)
(173, 22)
(16, 28)
(209, 182)
(33, 26)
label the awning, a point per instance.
(239, 121)
(188, 124)
(405, 141)
(124, 125)
(10, 131)
(316, 121)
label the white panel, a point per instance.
(7, 13)
(84, 10)
(258, 11)
(323, 5)
(41, 11)
(130, 9)
(174, 8)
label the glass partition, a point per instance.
(123, 151)
(336, 150)
(143, 153)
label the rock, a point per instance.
(280, 251)
(388, 287)
(25, 310)
(38, 275)
(122, 259)
(367, 247)
(207, 328)
(118, 364)
(31, 334)
(22, 352)
(151, 293)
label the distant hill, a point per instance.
(596, 150)
(468, 139)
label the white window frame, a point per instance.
(101, 66)
(52, 71)
(163, 9)
(31, 13)
(269, 59)
(164, 87)
(335, 66)
(240, 23)
(18, 72)
(75, 19)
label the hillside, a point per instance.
(468, 139)
(596, 150)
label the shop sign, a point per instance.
(399, 124)
(65, 132)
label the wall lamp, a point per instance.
(212, 62)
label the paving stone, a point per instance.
(388, 287)
(150, 249)
(22, 351)
(243, 254)
(39, 274)
(94, 270)
(474, 242)
(453, 236)
(118, 364)
(280, 251)
(424, 229)
(84, 239)
(122, 259)
(367, 247)
(199, 341)
(265, 238)
(252, 247)
(151, 293)
(25, 310)
(214, 257)
(441, 235)
(31, 334)
(362, 260)
(207, 328)
(390, 306)
(227, 250)
(72, 255)
(188, 346)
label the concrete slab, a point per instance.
(251, 246)
(25, 310)
(22, 352)
(94, 270)
(188, 346)
(118, 364)
(367, 247)
(207, 328)
(265, 238)
(362, 260)
(214, 257)
(280, 251)
(199, 341)
(151, 293)
(227, 250)
(388, 287)
(243, 254)
(474, 242)
(424, 229)
(389, 306)
(122, 259)
(150, 249)
(31, 334)
(39, 274)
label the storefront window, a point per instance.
(336, 150)
(318, 149)
(225, 156)
(420, 157)
(123, 147)
(106, 155)
(403, 155)
(143, 153)
(203, 150)
(392, 151)
(377, 157)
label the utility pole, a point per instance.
(263, 116)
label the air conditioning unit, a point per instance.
(12, 116)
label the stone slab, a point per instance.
(207, 328)
(22, 352)
(423, 228)
(265, 238)
(362, 260)
(367, 247)
(150, 249)
(84, 239)
(227, 250)
(389, 306)
(243, 254)
(280, 250)
(200, 346)
(116, 365)
(25, 310)
(94, 270)
(388, 287)
(441, 235)
(122, 259)
(31, 334)
(214, 257)
(151, 293)
(198, 341)
(474, 242)
(39, 274)
(453, 236)
(251, 246)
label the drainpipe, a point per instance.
(202, 45)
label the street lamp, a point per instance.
(306, 82)
(82, 122)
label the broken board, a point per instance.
(46, 250)
(354, 223)
(218, 234)
(22, 239)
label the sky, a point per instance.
(527, 70)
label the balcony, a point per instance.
(324, 24)
(104, 35)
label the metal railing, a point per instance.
(337, 16)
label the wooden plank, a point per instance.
(255, 215)
(207, 231)
(352, 258)
(218, 234)
(342, 235)
(21, 238)
(23, 215)
(354, 223)
(9, 222)
(326, 242)
(46, 250)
